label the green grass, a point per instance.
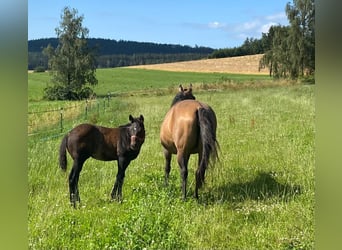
(120, 80)
(36, 84)
(260, 195)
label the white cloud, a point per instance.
(255, 27)
(252, 28)
(277, 17)
(216, 25)
(265, 27)
(249, 25)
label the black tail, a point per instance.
(62, 154)
(207, 124)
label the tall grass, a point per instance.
(260, 195)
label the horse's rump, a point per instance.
(180, 128)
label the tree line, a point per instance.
(113, 53)
(251, 46)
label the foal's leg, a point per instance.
(73, 181)
(117, 188)
(168, 156)
(183, 165)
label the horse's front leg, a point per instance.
(117, 188)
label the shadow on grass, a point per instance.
(263, 187)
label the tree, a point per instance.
(292, 48)
(302, 35)
(277, 57)
(72, 63)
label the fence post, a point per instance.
(86, 110)
(108, 98)
(61, 120)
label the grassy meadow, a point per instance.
(260, 195)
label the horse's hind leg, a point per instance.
(73, 182)
(183, 165)
(168, 156)
(199, 176)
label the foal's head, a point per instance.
(183, 94)
(136, 131)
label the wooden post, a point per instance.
(86, 110)
(61, 119)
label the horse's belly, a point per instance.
(105, 154)
(104, 158)
(169, 146)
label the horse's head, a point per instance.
(136, 131)
(183, 94)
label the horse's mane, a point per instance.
(183, 94)
(125, 126)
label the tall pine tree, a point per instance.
(72, 63)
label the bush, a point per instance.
(39, 69)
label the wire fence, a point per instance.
(51, 123)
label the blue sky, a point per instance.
(212, 23)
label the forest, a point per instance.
(112, 53)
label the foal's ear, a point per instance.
(181, 88)
(131, 118)
(141, 118)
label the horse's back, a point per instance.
(179, 129)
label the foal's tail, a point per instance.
(62, 153)
(207, 124)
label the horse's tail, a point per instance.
(62, 153)
(207, 125)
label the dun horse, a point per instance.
(189, 127)
(106, 144)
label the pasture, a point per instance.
(260, 195)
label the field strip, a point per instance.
(238, 65)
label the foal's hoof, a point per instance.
(117, 199)
(74, 200)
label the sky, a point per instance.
(211, 23)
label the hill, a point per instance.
(122, 47)
(113, 53)
(239, 64)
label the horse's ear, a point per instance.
(190, 88)
(131, 118)
(141, 118)
(181, 88)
